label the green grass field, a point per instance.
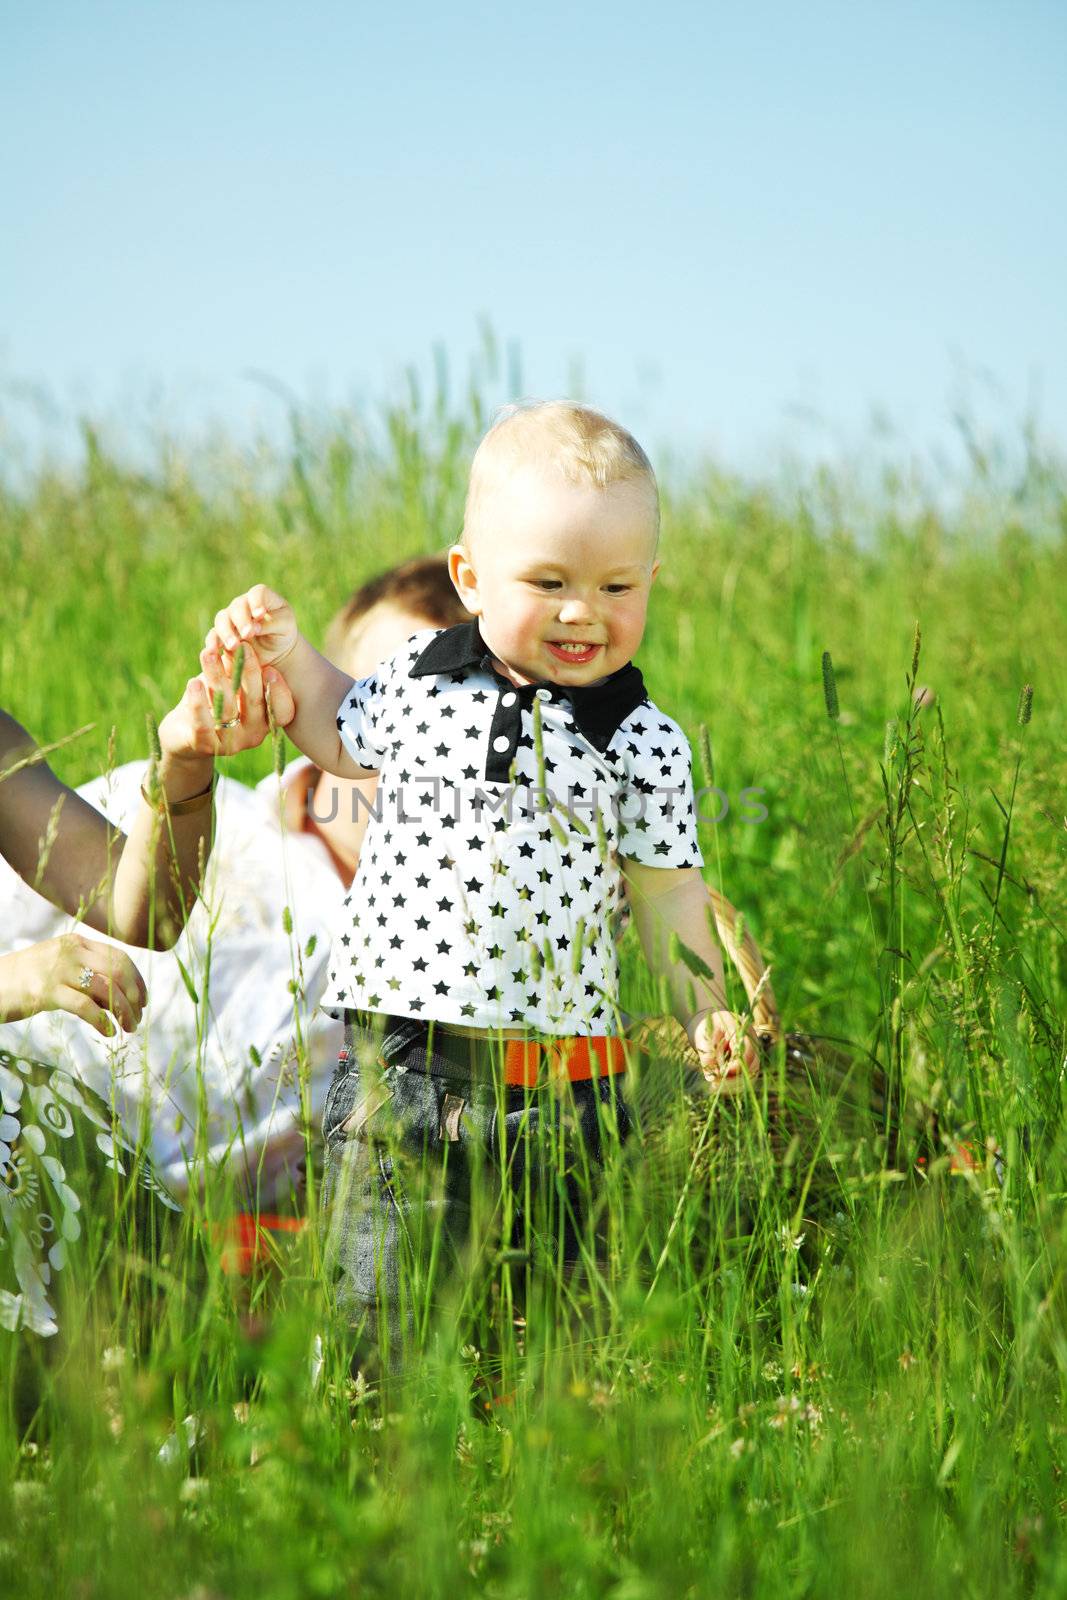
(810, 1365)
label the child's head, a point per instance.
(559, 543)
(388, 609)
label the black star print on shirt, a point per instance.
(452, 955)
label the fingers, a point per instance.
(749, 1056)
(197, 699)
(728, 1057)
(216, 674)
(185, 730)
(280, 696)
(83, 1006)
(246, 616)
(248, 706)
(196, 721)
(235, 622)
(117, 985)
(112, 984)
(252, 688)
(253, 727)
(724, 1085)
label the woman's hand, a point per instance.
(73, 974)
(190, 731)
(260, 616)
(725, 1054)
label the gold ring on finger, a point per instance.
(230, 722)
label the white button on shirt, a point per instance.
(487, 892)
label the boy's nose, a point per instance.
(575, 609)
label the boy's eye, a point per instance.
(554, 583)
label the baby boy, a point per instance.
(528, 788)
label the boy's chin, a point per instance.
(586, 676)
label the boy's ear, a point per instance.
(464, 578)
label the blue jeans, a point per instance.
(432, 1161)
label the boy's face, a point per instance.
(559, 575)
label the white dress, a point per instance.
(233, 1035)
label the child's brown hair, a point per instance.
(421, 586)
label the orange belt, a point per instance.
(244, 1239)
(573, 1058)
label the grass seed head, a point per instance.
(889, 743)
(151, 782)
(601, 836)
(705, 754)
(539, 756)
(1026, 703)
(276, 735)
(559, 833)
(829, 687)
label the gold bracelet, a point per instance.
(180, 808)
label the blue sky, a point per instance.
(747, 223)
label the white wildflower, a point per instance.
(788, 1239)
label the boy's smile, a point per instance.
(559, 575)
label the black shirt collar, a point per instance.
(599, 710)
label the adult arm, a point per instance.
(139, 888)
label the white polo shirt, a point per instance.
(474, 904)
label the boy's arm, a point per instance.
(319, 689)
(265, 621)
(674, 900)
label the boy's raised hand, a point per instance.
(260, 616)
(727, 1055)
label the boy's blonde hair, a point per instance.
(581, 444)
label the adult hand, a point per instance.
(260, 617)
(75, 974)
(726, 1054)
(190, 730)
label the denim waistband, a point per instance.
(406, 1043)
